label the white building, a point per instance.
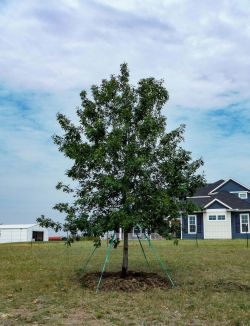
(22, 233)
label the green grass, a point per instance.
(39, 285)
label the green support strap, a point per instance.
(144, 254)
(106, 260)
(162, 265)
(87, 262)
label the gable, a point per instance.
(216, 205)
(229, 186)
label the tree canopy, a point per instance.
(127, 169)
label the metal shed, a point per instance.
(22, 233)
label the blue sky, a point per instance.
(51, 50)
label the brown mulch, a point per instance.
(134, 281)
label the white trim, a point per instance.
(244, 223)
(229, 210)
(199, 197)
(195, 216)
(222, 184)
(181, 225)
(217, 201)
(218, 186)
(236, 192)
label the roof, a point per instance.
(204, 191)
(225, 197)
(226, 181)
(16, 226)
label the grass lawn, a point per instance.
(39, 285)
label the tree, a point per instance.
(127, 170)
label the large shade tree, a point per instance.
(127, 169)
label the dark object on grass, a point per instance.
(134, 281)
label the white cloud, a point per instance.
(200, 48)
(50, 50)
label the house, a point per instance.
(22, 233)
(223, 210)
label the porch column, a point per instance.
(120, 233)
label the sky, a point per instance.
(50, 50)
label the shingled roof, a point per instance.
(225, 197)
(205, 195)
(204, 191)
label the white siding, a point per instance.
(13, 235)
(20, 233)
(217, 229)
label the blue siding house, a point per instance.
(223, 210)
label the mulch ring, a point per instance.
(134, 281)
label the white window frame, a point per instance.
(195, 216)
(242, 193)
(216, 217)
(244, 223)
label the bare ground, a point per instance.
(135, 281)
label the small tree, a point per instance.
(127, 169)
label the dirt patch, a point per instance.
(135, 281)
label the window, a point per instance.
(217, 217)
(240, 194)
(192, 225)
(244, 223)
(243, 195)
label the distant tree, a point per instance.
(127, 170)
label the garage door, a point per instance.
(217, 225)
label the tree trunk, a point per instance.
(125, 255)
